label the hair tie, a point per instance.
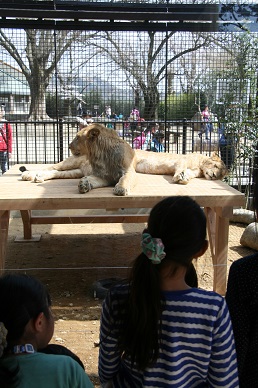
(153, 248)
(3, 342)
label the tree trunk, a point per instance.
(38, 98)
(151, 99)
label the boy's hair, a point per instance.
(21, 298)
(181, 225)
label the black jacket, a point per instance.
(242, 300)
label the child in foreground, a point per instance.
(26, 326)
(156, 331)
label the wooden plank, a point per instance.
(93, 219)
(150, 189)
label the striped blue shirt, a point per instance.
(197, 343)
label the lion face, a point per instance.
(104, 149)
(77, 146)
(214, 168)
(81, 143)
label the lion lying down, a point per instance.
(102, 158)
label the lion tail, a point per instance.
(23, 168)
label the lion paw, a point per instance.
(84, 185)
(39, 178)
(181, 178)
(119, 190)
(28, 175)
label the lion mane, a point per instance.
(101, 158)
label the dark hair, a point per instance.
(22, 298)
(181, 225)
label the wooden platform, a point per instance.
(217, 198)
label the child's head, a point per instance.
(180, 223)
(25, 310)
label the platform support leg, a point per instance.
(218, 231)
(4, 227)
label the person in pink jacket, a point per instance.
(6, 140)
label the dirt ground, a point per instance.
(69, 258)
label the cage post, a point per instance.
(184, 136)
(61, 140)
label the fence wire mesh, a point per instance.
(161, 90)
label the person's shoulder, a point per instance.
(116, 299)
(207, 296)
(202, 291)
(197, 300)
(243, 279)
(49, 360)
(59, 361)
(65, 365)
(50, 357)
(245, 263)
(195, 296)
(120, 287)
(118, 292)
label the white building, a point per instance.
(14, 92)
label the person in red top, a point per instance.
(6, 140)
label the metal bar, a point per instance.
(103, 15)
(108, 25)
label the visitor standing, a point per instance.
(207, 122)
(6, 140)
(108, 111)
(79, 108)
(135, 114)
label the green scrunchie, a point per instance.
(153, 248)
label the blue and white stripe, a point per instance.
(197, 347)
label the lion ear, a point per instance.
(93, 133)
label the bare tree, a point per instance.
(145, 60)
(43, 50)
